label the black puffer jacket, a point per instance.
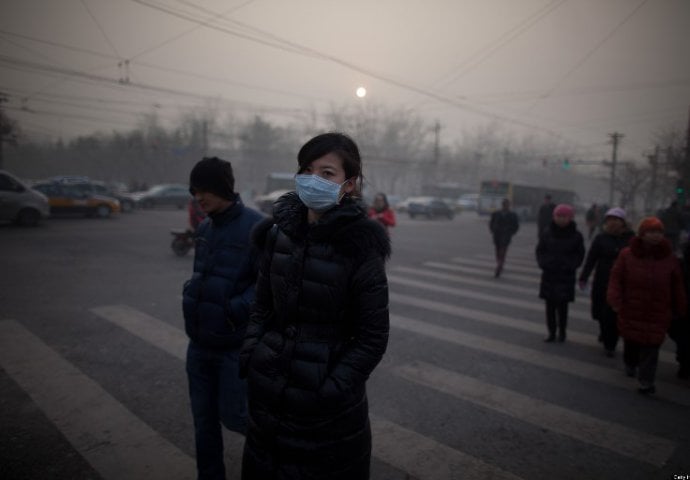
(559, 254)
(602, 255)
(318, 329)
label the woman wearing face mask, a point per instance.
(646, 290)
(319, 325)
(559, 253)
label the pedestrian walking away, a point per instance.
(545, 214)
(559, 254)
(319, 325)
(592, 219)
(216, 303)
(672, 218)
(646, 290)
(601, 256)
(503, 224)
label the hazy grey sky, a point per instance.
(571, 69)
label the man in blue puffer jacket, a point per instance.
(216, 302)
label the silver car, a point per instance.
(19, 203)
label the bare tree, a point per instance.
(9, 131)
(631, 181)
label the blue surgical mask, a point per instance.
(317, 193)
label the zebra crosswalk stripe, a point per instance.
(534, 270)
(493, 285)
(391, 437)
(491, 297)
(611, 436)
(558, 363)
(506, 275)
(423, 458)
(111, 438)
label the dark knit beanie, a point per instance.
(213, 175)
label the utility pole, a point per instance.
(615, 138)
(437, 134)
(654, 162)
(5, 130)
(687, 150)
(204, 137)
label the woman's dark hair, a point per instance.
(384, 198)
(341, 145)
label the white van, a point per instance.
(19, 203)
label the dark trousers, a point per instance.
(609, 329)
(643, 357)
(680, 333)
(217, 395)
(501, 251)
(557, 315)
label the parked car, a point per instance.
(265, 202)
(19, 203)
(430, 208)
(402, 205)
(175, 195)
(468, 202)
(114, 190)
(66, 197)
(127, 201)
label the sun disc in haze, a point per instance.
(361, 92)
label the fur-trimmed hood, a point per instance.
(345, 226)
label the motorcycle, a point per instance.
(183, 241)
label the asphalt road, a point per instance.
(93, 382)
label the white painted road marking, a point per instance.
(585, 428)
(112, 439)
(426, 459)
(569, 366)
(504, 321)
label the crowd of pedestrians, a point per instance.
(287, 316)
(640, 288)
(641, 283)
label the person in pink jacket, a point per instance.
(646, 291)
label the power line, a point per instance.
(292, 47)
(187, 32)
(485, 53)
(590, 90)
(100, 28)
(33, 66)
(159, 67)
(592, 51)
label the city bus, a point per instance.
(525, 200)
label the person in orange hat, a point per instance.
(646, 290)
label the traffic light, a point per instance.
(566, 164)
(680, 191)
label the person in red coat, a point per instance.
(646, 291)
(382, 212)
